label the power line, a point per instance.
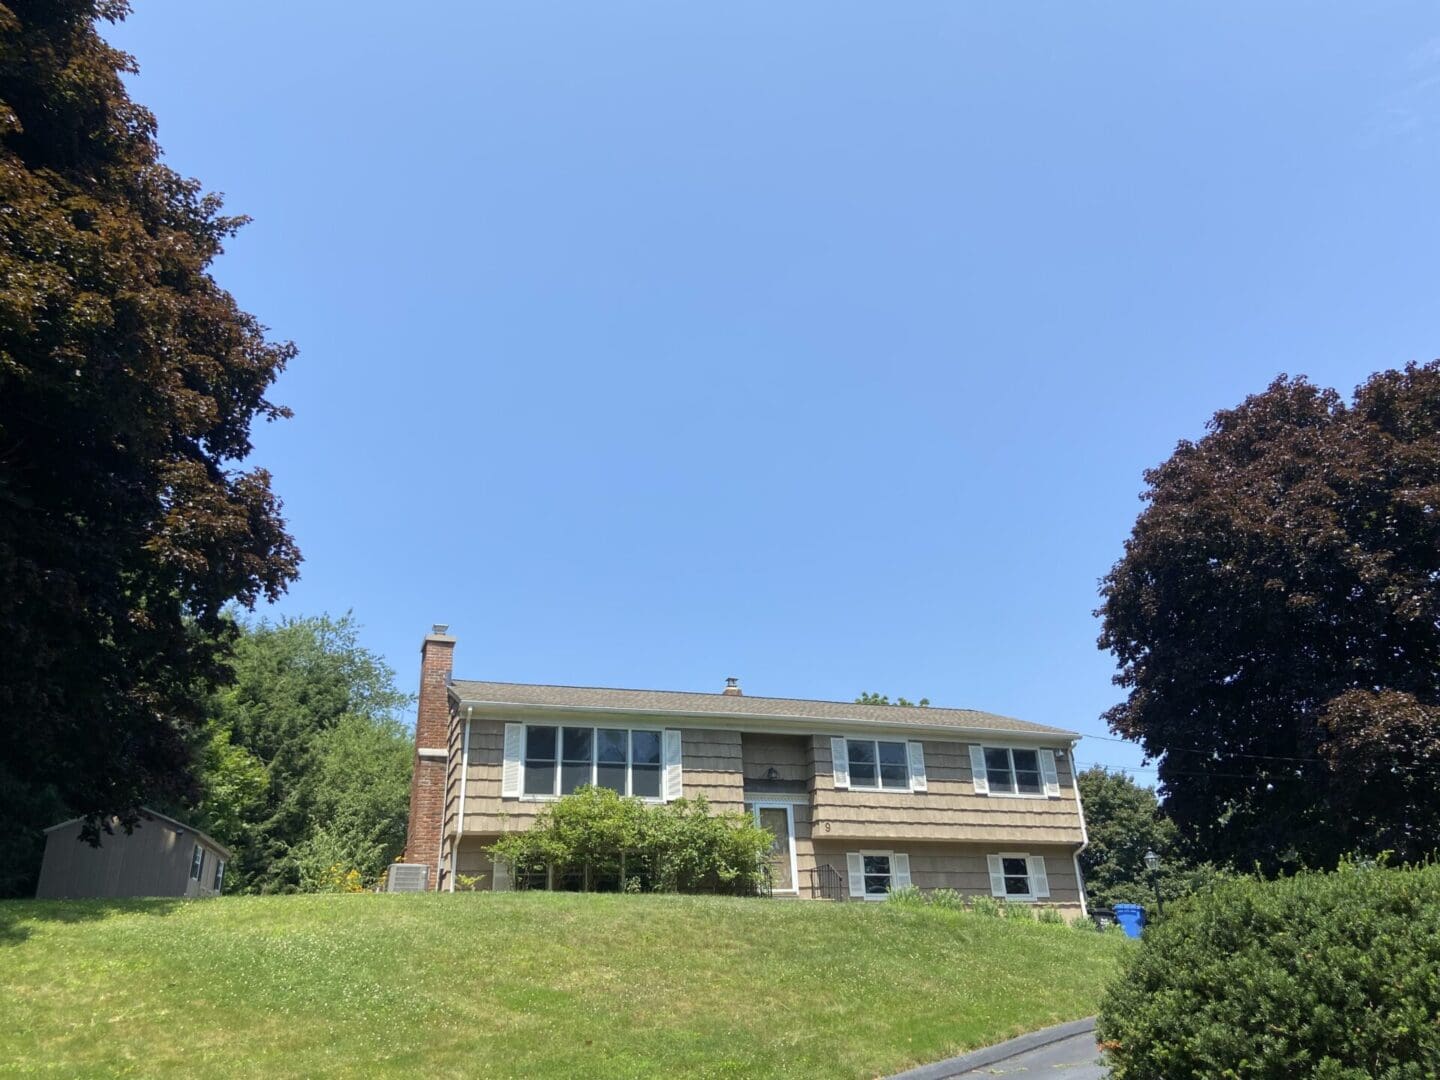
(1198, 750)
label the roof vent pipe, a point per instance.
(732, 687)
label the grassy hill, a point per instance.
(523, 985)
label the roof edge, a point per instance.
(156, 815)
(1037, 731)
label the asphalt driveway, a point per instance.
(1062, 1052)
(1075, 1058)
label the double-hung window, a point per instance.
(1015, 875)
(559, 760)
(197, 863)
(875, 874)
(876, 764)
(1016, 871)
(219, 874)
(1013, 772)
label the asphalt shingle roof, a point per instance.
(738, 706)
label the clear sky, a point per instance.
(818, 343)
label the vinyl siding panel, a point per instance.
(151, 861)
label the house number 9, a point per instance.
(827, 826)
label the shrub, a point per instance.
(946, 898)
(1329, 975)
(1050, 917)
(1010, 909)
(908, 896)
(595, 840)
(986, 905)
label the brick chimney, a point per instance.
(732, 687)
(432, 741)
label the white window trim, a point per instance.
(890, 855)
(1029, 897)
(789, 808)
(594, 758)
(876, 741)
(1010, 749)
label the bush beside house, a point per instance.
(1327, 975)
(595, 840)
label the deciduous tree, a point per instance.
(129, 381)
(1276, 618)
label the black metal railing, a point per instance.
(826, 883)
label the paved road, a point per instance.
(1075, 1058)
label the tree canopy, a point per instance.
(867, 698)
(1124, 821)
(129, 381)
(1276, 618)
(306, 763)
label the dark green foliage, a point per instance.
(1276, 617)
(1327, 975)
(867, 698)
(129, 381)
(597, 840)
(305, 764)
(1124, 821)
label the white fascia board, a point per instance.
(765, 723)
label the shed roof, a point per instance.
(737, 707)
(157, 816)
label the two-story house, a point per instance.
(862, 799)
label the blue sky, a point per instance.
(821, 344)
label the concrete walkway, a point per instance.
(1063, 1052)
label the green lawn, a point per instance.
(522, 985)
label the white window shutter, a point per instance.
(977, 770)
(899, 870)
(1039, 880)
(997, 876)
(917, 766)
(674, 771)
(840, 763)
(514, 752)
(502, 875)
(856, 866)
(1050, 773)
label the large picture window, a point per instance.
(1013, 772)
(876, 764)
(560, 760)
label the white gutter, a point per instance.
(767, 722)
(1084, 832)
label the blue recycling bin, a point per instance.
(1131, 918)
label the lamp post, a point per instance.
(1152, 863)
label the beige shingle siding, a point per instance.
(652, 702)
(453, 765)
(711, 766)
(948, 810)
(963, 867)
(716, 761)
(788, 755)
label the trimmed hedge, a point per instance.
(1325, 975)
